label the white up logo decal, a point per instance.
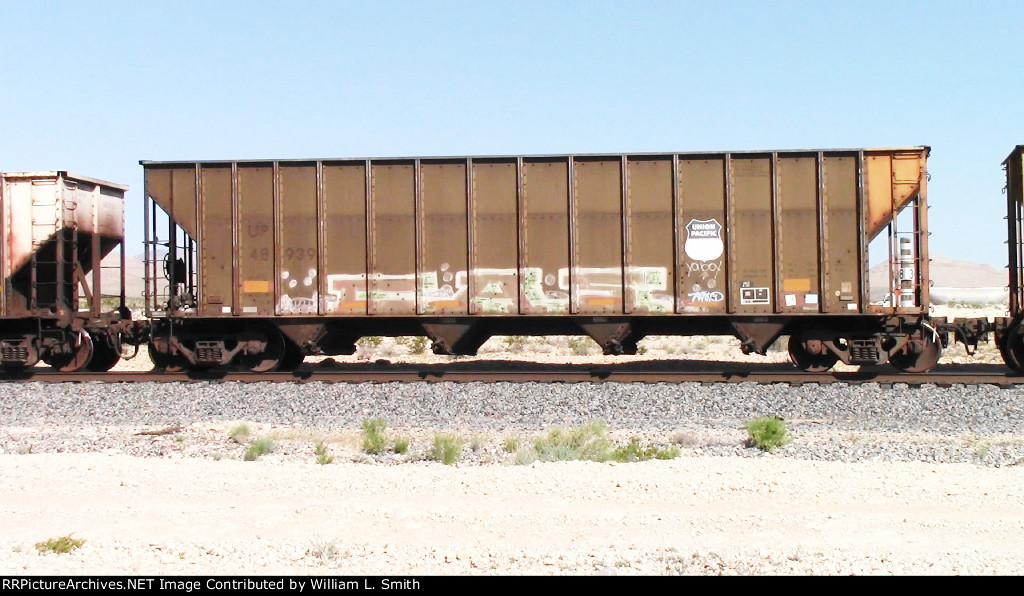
(704, 240)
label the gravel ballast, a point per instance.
(881, 480)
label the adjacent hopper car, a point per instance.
(1009, 331)
(256, 264)
(56, 229)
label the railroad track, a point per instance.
(519, 372)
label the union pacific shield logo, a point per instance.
(704, 240)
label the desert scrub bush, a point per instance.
(401, 445)
(581, 345)
(511, 444)
(683, 439)
(515, 343)
(587, 442)
(667, 452)
(323, 550)
(447, 449)
(61, 545)
(240, 434)
(323, 457)
(632, 451)
(259, 447)
(369, 344)
(767, 433)
(374, 438)
(417, 344)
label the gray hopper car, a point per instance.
(259, 263)
(56, 303)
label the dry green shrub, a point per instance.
(374, 438)
(60, 546)
(447, 449)
(767, 433)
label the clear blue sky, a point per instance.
(93, 87)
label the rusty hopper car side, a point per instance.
(266, 261)
(1009, 331)
(55, 306)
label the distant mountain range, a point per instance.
(950, 273)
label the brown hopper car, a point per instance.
(259, 263)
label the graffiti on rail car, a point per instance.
(495, 291)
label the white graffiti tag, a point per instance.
(706, 296)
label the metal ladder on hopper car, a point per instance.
(110, 293)
(53, 219)
(905, 261)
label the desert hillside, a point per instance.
(950, 273)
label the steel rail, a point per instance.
(522, 372)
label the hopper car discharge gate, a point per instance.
(259, 263)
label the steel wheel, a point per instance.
(75, 360)
(293, 356)
(104, 355)
(920, 362)
(271, 356)
(165, 362)
(806, 361)
(1012, 349)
